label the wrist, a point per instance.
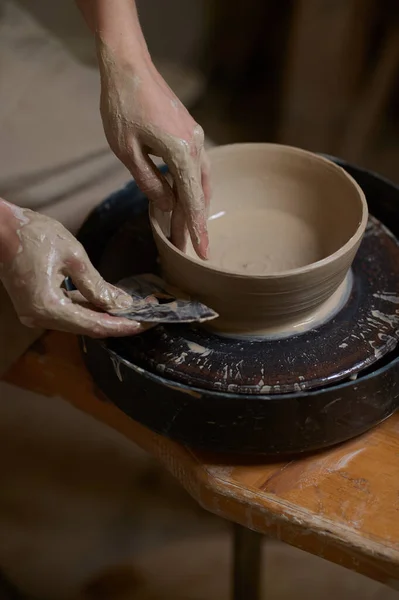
(117, 30)
(11, 219)
(127, 55)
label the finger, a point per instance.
(191, 197)
(76, 319)
(150, 180)
(206, 181)
(77, 298)
(92, 286)
(61, 314)
(187, 163)
(178, 227)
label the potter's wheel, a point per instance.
(175, 378)
(363, 331)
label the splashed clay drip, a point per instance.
(284, 227)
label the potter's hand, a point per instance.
(36, 254)
(142, 116)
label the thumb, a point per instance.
(93, 287)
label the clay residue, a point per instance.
(389, 297)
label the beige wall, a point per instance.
(174, 28)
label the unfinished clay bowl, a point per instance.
(285, 226)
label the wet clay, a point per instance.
(37, 254)
(284, 226)
(262, 242)
(292, 324)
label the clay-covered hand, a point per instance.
(142, 116)
(36, 255)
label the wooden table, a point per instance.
(341, 504)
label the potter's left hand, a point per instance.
(36, 254)
(142, 116)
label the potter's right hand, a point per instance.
(36, 254)
(143, 117)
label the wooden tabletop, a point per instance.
(340, 504)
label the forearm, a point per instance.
(116, 26)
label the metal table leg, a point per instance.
(247, 548)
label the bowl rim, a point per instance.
(342, 251)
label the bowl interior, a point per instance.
(276, 208)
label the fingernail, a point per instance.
(123, 301)
(204, 247)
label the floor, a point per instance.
(76, 496)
